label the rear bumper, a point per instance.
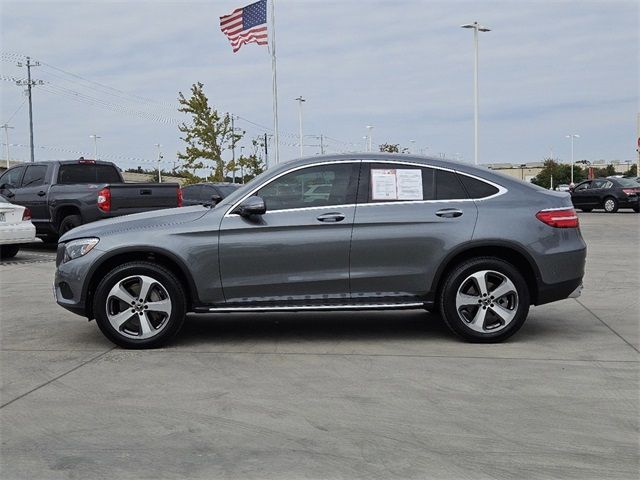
(553, 292)
(23, 232)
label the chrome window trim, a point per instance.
(501, 190)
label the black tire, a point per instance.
(586, 210)
(610, 205)
(459, 278)
(636, 209)
(167, 327)
(69, 223)
(9, 251)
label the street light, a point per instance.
(476, 28)
(6, 128)
(413, 145)
(369, 128)
(300, 100)
(159, 158)
(95, 145)
(572, 136)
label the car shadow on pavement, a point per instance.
(322, 326)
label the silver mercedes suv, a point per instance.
(383, 232)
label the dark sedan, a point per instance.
(207, 193)
(609, 194)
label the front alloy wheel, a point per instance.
(139, 305)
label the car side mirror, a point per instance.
(215, 199)
(253, 205)
(6, 188)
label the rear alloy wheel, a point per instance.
(139, 305)
(484, 300)
(610, 205)
(9, 251)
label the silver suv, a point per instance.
(393, 232)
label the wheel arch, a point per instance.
(507, 251)
(63, 211)
(124, 255)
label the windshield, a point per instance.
(226, 190)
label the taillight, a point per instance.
(26, 215)
(559, 218)
(179, 197)
(104, 199)
(630, 191)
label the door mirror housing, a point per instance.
(215, 198)
(253, 205)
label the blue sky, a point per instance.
(547, 68)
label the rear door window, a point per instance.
(448, 186)
(88, 173)
(392, 182)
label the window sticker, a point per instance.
(396, 184)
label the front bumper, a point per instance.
(70, 279)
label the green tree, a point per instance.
(560, 172)
(393, 148)
(207, 136)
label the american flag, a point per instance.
(246, 25)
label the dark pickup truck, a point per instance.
(64, 194)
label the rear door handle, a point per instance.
(449, 213)
(42, 193)
(331, 217)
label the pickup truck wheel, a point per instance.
(69, 223)
(9, 251)
(484, 300)
(139, 305)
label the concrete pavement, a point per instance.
(358, 395)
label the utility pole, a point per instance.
(476, 28)
(30, 83)
(95, 145)
(159, 159)
(321, 144)
(233, 150)
(266, 151)
(6, 140)
(300, 100)
(572, 137)
(638, 149)
(369, 128)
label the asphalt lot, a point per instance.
(359, 395)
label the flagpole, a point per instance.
(275, 84)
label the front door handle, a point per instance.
(331, 217)
(42, 193)
(449, 213)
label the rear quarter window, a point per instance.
(477, 188)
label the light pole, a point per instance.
(413, 146)
(572, 136)
(369, 128)
(6, 128)
(158, 146)
(366, 143)
(300, 100)
(95, 145)
(476, 28)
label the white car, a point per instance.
(15, 228)
(563, 187)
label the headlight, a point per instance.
(78, 248)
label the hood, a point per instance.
(137, 221)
